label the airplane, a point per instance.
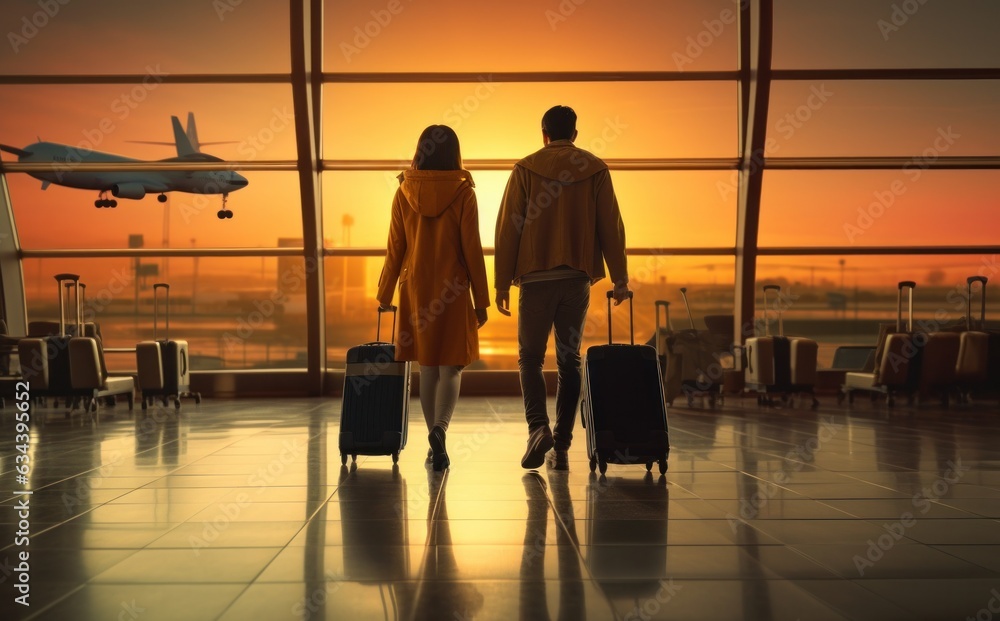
(134, 185)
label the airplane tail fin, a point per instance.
(184, 146)
(192, 133)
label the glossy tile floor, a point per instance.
(241, 510)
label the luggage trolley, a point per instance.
(778, 364)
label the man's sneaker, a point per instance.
(558, 459)
(539, 443)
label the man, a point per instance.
(558, 223)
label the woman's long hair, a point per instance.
(438, 149)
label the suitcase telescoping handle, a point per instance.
(910, 285)
(71, 280)
(982, 280)
(687, 306)
(777, 309)
(665, 305)
(631, 326)
(166, 307)
(378, 329)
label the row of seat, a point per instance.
(71, 367)
(923, 364)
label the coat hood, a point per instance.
(430, 192)
(564, 161)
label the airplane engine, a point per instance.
(128, 190)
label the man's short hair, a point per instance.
(559, 123)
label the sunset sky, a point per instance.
(500, 120)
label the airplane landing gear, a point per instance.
(225, 213)
(162, 198)
(103, 201)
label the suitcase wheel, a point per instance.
(602, 465)
(343, 459)
(395, 457)
(177, 403)
(593, 464)
(354, 457)
(197, 398)
(145, 406)
(663, 465)
(649, 466)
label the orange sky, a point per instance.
(500, 120)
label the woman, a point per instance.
(435, 254)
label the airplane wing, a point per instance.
(15, 151)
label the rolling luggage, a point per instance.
(972, 368)
(373, 419)
(44, 360)
(162, 364)
(695, 351)
(780, 364)
(623, 408)
(896, 359)
(670, 361)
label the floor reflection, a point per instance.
(439, 592)
(626, 553)
(533, 600)
(234, 510)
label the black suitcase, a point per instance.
(373, 419)
(623, 408)
(57, 346)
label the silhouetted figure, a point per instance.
(558, 223)
(435, 254)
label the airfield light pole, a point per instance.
(136, 241)
(194, 278)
